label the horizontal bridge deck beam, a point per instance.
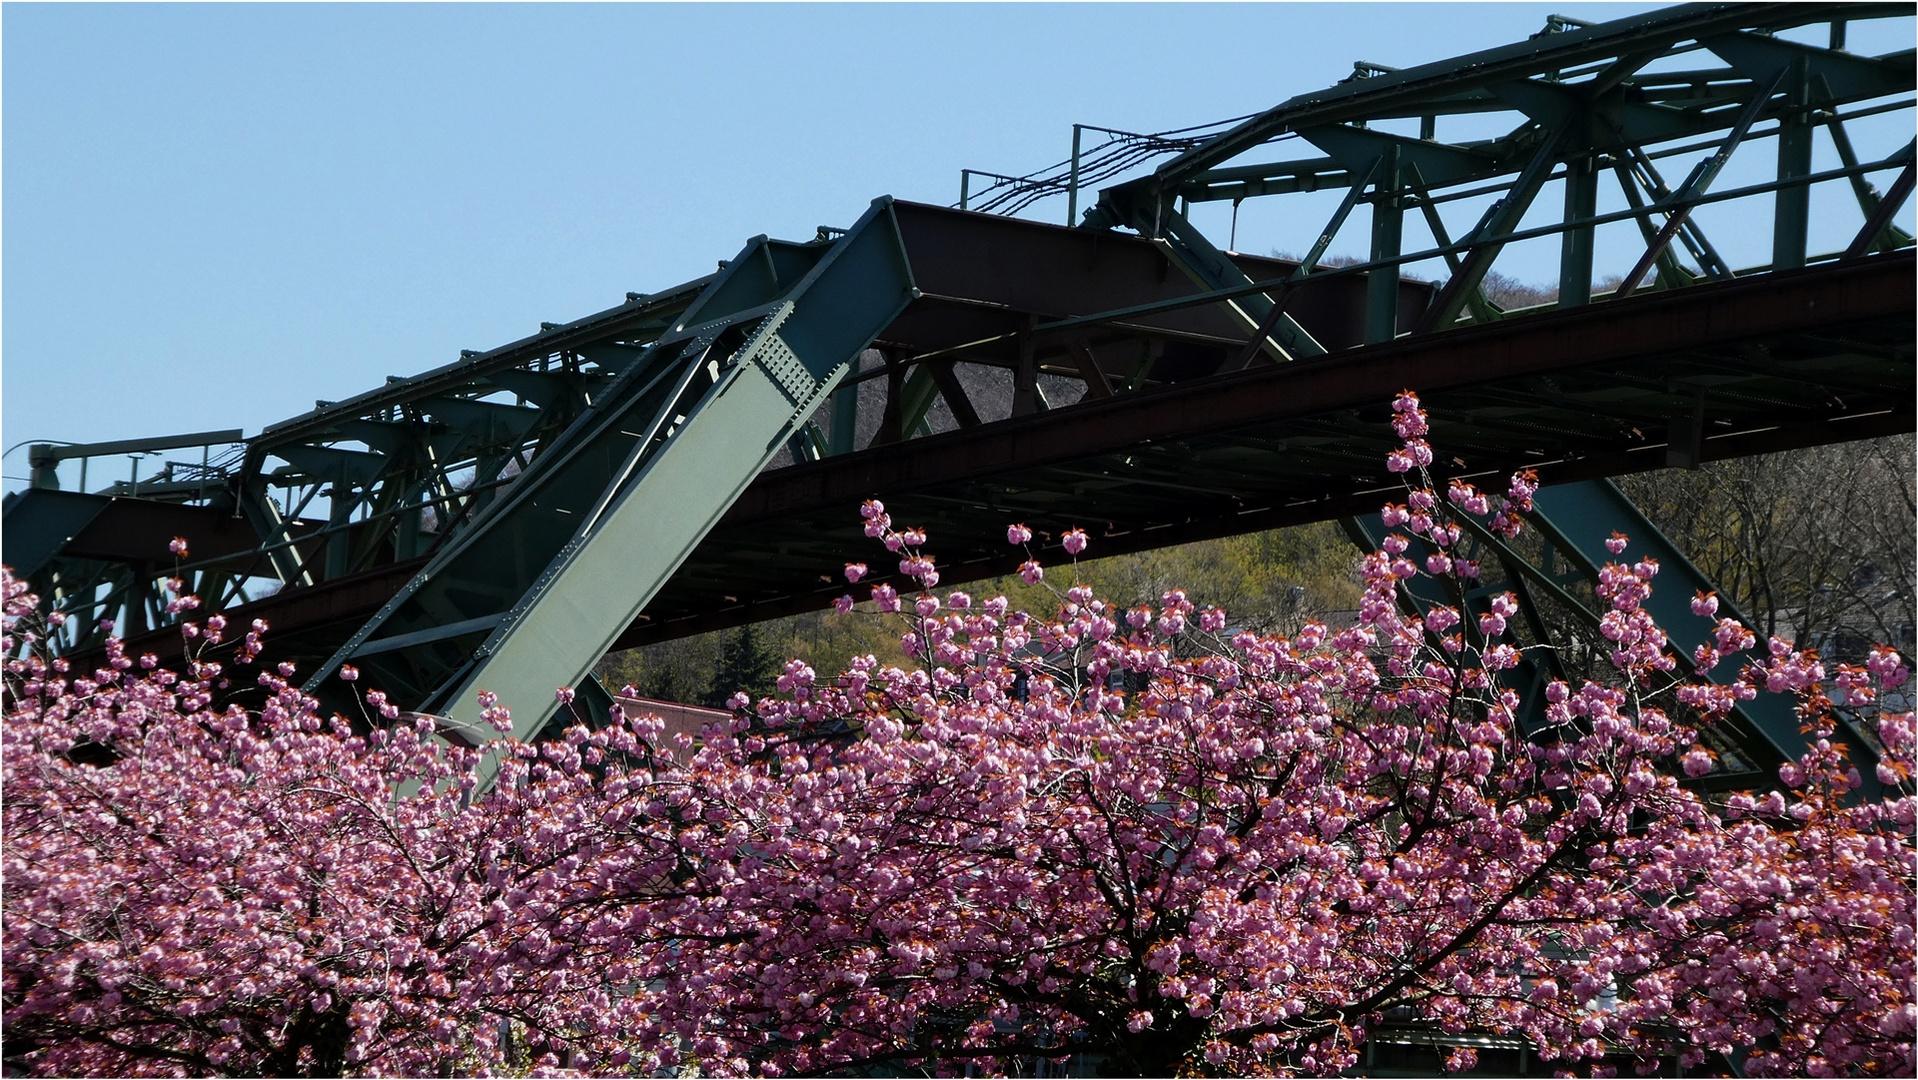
(1612, 348)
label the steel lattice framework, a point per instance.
(690, 459)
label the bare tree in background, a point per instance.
(1814, 545)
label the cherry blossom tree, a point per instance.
(1136, 834)
(239, 891)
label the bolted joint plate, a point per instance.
(786, 369)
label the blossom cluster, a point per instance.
(1131, 832)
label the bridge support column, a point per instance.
(845, 417)
(1575, 250)
(1573, 521)
(534, 592)
(1388, 229)
(1792, 212)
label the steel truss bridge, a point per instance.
(691, 459)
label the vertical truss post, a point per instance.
(892, 423)
(338, 527)
(1072, 187)
(1792, 209)
(1575, 248)
(845, 419)
(1388, 230)
(406, 536)
(1025, 377)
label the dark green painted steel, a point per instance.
(1579, 518)
(509, 508)
(1589, 100)
(1284, 338)
(534, 592)
(40, 521)
(1574, 521)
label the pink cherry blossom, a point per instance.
(1051, 832)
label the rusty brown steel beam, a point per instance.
(1703, 317)
(1639, 459)
(801, 506)
(1509, 365)
(293, 616)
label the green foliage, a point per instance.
(746, 662)
(1270, 582)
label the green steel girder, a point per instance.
(1579, 518)
(1845, 76)
(1575, 521)
(436, 452)
(40, 521)
(331, 464)
(483, 422)
(1359, 149)
(530, 535)
(1413, 91)
(560, 389)
(1605, 121)
(537, 588)
(1592, 98)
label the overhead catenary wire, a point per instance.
(1121, 151)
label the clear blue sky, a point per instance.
(214, 215)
